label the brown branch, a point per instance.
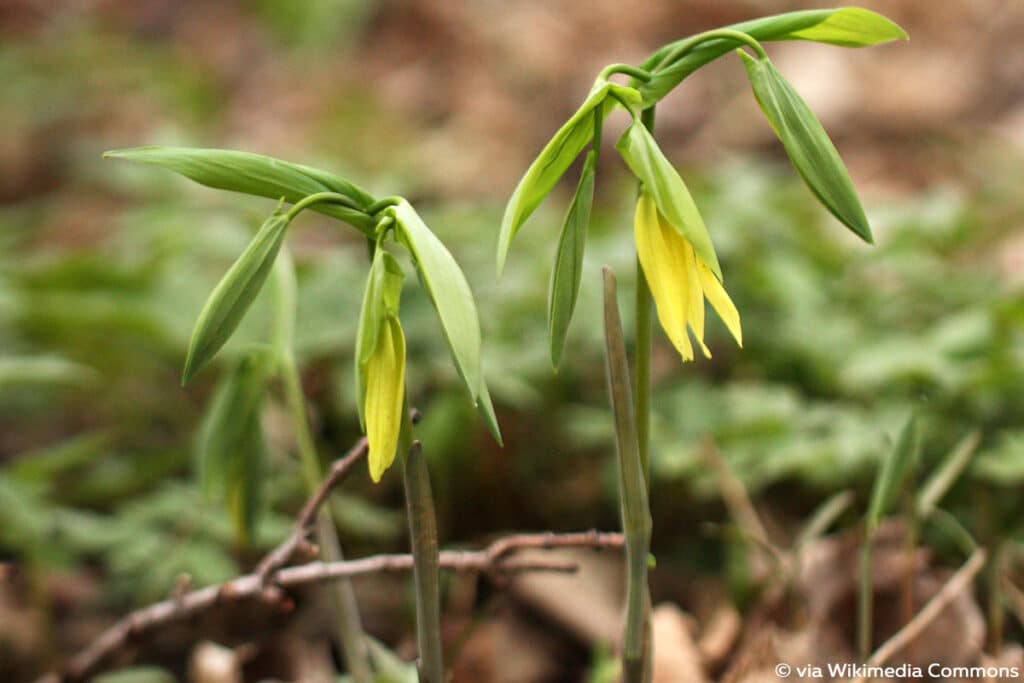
(939, 602)
(306, 523)
(493, 560)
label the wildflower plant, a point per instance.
(231, 442)
(677, 266)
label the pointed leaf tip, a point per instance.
(807, 144)
(567, 273)
(233, 295)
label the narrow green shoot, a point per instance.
(419, 505)
(888, 484)
(350, 635)
(636, 515)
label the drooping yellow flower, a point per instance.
(679, 281)
(385, 391)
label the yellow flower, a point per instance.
(385, 390)
(679, 280)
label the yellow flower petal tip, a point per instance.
(679, 281)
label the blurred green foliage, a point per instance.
(104, 267)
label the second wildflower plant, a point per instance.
(677, 266)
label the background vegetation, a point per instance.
(103, 268)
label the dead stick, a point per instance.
(306, 522)
(916, 626)
(492, 560)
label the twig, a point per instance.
(916, 626)
(493, 560)
(736, 498)
(306, 523)
(1014, 598)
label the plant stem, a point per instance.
(349, 627)
(642, 367)
(642, 398)
(865, 597)
(636, 516)
(419, 506)
(682, 48)
(996, 573)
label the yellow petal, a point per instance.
(385, 390)
(662, 254)
(694, 297)
(720, 301)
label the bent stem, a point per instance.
(636, 516)
(350, 636)
(419, 505)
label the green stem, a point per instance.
(419, 506)
(633, 71)
(350, 635)
(681, 50)
(643, 346)
(636, 516)
(865, 597)
(642, 399)
(382, 204)
(322, 197)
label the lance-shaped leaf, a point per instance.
(380, 299)
(852, 27)
(892, 474)
(258, 175)
(946, 475)
(807, 144)
(845, 26)
(446, 285)
(244, 486)
(662, 182)
(234, 294)
(385, 391)
(557, 156)
(568, 270)
(231, 443)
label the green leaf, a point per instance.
(568, 270)
(244, 485)
(807, 144)
(231, 446)
(946, 475)
(486, 410)
(234, 294)
(389, 667)
(446, 285)
(258, 175)
(648, 163)
(892, 474)
(852, 27)
(800, 25)
(381, 297)
(557, 156)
